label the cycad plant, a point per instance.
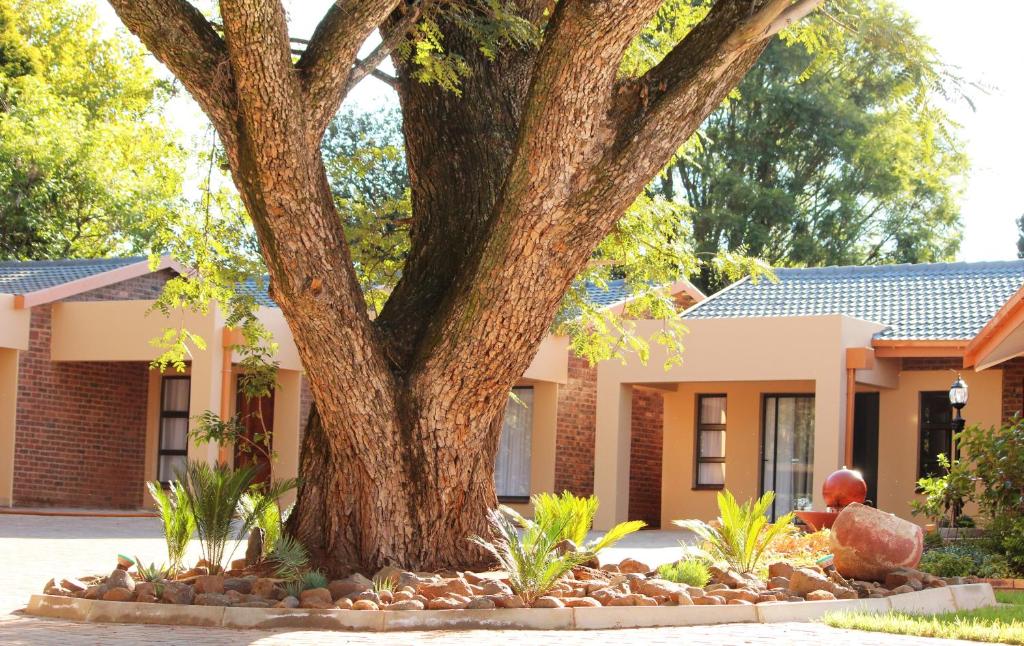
(533, 564)
(288, 557)
(262, 507)
(177, 517)
(744, 535)
(574, 515)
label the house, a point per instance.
(782, 383)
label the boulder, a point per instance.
(178, 593)
(805, 580)
(118, 594)
(633, 566)
(407, 604)
(318, 598)
(120, 579)
(212, 583)
(868, 543)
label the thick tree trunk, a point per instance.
(514, 183)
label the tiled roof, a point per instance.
(617, 291)
(22, 277)
(257, 290)
(940, 301)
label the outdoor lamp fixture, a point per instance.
(958, 399)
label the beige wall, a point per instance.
(287, 422)
(8, 408)
(898, 432)
(14, 324)
(742, 444)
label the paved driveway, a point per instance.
(34, 548)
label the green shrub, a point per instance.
(689, 571)
(995, 566)
(177, 517)
(933, 540)
(1012, 543)
(744, 534)
(945, 563)
(305, 581)
(996, 458)
(575, 515)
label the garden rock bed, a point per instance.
(943, 599)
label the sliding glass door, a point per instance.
(787, 447)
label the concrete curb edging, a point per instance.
(933, 600)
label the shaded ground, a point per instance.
(33, 549)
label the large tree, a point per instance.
(842, 159)
(87, 166)
(527, 138)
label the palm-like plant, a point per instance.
(571, 517)
(532, 563)
(262, 507)
(177, 517)
(288, 557)
(215, 494)
(744, 534)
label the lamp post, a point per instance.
(958, 399)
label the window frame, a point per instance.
(166, 414)
(922, 428)
(698, 429)
(514, 500)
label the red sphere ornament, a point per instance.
(843, 487)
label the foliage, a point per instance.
(288, 557)
(87, 165)
(1011, 541)
(744, 534)
(691, 571)
(264, 508)
(836, 149)
(999, 625)
(944, 495)
(383, 583)
(177, 517)
(970, 557)
(152, 572)
(798, 547)
(995, 457)
(215, 494)
(574, 515)
(533, 564)
(933, 540)
(946, 563)
(307, 580)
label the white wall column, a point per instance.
(829, 429)
(8, 419)
(611, 451)
(287, 428)
(205, 389)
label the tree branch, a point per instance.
(326, 65)
(393, 38)
(384, 77)
(182, 39)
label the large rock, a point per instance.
(868, 543)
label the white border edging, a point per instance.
(930, 601)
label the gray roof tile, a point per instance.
(940, 301)
(22, 277)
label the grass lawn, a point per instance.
(1004, 625)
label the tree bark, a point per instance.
(514, 183)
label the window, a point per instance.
(787, 452)
(936, 432)
(173, 447)
(512, 467)
(710, 442)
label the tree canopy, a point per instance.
(842, 156)
(87, 165)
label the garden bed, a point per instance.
(929, 601)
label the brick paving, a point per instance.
(32, 549)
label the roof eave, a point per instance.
(88, 283)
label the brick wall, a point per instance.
(576, 428)
(645, 457)
(1013, 387)
(932, 363)
(80, 435)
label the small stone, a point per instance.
(239, 564)
(643, 600)
(146, 598)
(386, 596)
(780, 569)
(458, 586)
(212, 599)
(177, 593)
(937, 583)
(367, 595)
(266, 588)
(820, 595)
(408, 604)
(903, 589)
(778, 583)
(72, 585)
(253, 603)
(715, 587)
(240, 584)
(212, 583)
(480, 603)
(581, 602)
(682, 598)
(610, 567)
(742, 594)
(401, 595)
(508, 601)
(548, 602)
(145, 587)
(709, 600)
(655, 587)
(288, 602)
(729, 577)
(118, 594)
(633, 566)
(120, 579)
(495, 587)
(344, 603)
(446, 603)
(319, 598)
(804, 580)
(365, 604)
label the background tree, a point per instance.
(1020, 237)
(529, 132)
(846, 158)
(87, 166)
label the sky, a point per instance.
(981, 39)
